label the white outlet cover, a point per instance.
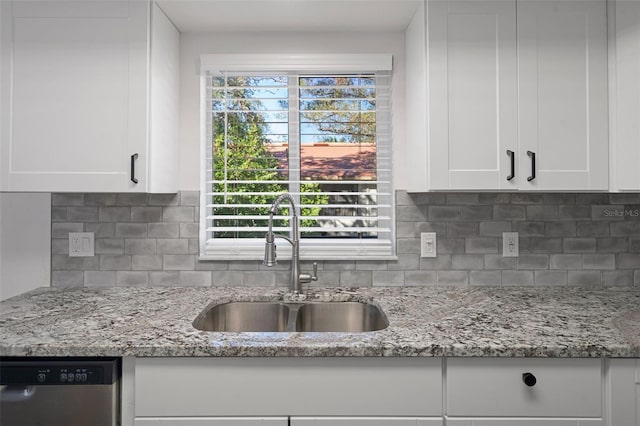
(510, 245)
(81, 244)
(428, 244)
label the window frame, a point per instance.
(310, 249)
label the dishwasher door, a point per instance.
(59, 391)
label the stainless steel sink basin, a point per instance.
(244, 316)
(346, 317)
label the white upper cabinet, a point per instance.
(77, 90)
(562, 95)
(507, 82)
(624, 57)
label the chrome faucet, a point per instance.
(296, 278)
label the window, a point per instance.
(317, 126)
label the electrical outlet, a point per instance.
(428, 244)
(510, 244)
(81, 244)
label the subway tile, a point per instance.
(146, 214)
(420, 278)
(550, 278)
(449, 245)
(437, 227)
(60, 246)
(109, 246)
(497, 261)
(442, 262)
(194, 246)
(189, 230)
(227, 278)
(356, 278)
(89, 263)
(59, 262)
(406, 230)
(625, 229)
(508, 212)
(592, 229)
(109, 262)
(146, 262)
(99, 278)
(67, 278)
(420, 199)
(387, 278)
(617, 278)
(592, 198)
(481, 245)
(140, 246)
(133, 199)
(565, 261)
(405, 262)
(131, 230)
(67, 200)
(195, 278)
(101, 230)
(178, 214)
(164, 278)
(211, 265)
(190, 198)
(127, 278)
(485, 278)
(444, 213)
(247, 265)
(530, 229)
(636, 278)
(560, 229)
(494, 229)
(178, 262)
(558, 198)
(598, 261)
(164, 230)
(526, 198)
(625, 198)
(607, 212)
(494, 198)
(173, 246)
(612, 245)
(62, 229)
(164, 199)
(463, 199)
(411, 213)
(99, 199)
(407, 245)
(541, 212)
(533, 261)
(579, 245)
(476, 213)
(453, 278)
(371, 265)
(628, 261)
(517, 278)
(574, 212)
(114, 214)
(58, 214)
(584, 278)
(463, 229)
(467, 261)
(634, 245)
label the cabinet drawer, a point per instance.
(288, 386)
(496, 387)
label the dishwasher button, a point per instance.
(83, 377)
(63, 377)
(41, 377)
(70, 377)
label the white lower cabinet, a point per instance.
(524, 422)
(213, 421)
(364, 421)
(623, 383)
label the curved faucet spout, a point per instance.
(296, 278)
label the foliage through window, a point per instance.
(323, 137)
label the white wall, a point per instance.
(192, 45)
(25, 242)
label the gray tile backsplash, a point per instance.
(589, 240)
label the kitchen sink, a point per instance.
(347, 317)
(244, 316)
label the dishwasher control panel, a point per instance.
(55, 373)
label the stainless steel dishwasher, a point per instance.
(59, 391)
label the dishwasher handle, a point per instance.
(17, 393)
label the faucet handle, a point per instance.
(305, 277)
(314, 277)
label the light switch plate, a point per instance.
(428, 244)
(510, 244)
(81, 244)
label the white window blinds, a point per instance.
(324, 136)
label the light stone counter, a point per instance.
(493, 321)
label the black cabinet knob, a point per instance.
(529, 379)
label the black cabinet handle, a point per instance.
(533, 165)
(511, 154)
(529, 379)
(134, 157)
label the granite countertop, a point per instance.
(492, 321)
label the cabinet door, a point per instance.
(562, 78)
(75, 78)
(365, 421)
(472, 100)
(212, 421)
(525, 422)
(625, 96)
